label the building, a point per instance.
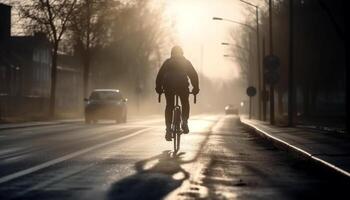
(69, 95)
(25, 75)
(5, 22)
(25, 68)
(32, 54)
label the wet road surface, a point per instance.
(219, 159)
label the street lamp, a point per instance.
(240, 23)
(236, 45)
(227, 55)
(257, 52)
(231, 56)
(258, 48)
(233, 21)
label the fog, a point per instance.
(123, 48)
(47, 71)
(190, 25)
(213, 97)
(130, 40)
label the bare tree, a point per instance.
(89, 25)
(50, 17)
(241, 48)
(136, 36)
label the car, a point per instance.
(231, 110)
(106, 104)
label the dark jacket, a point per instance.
(174, 74)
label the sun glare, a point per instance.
(200, 37)
(187, 17)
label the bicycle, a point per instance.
(176, 130)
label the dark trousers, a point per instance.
(170, 103)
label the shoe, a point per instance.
(185, 128)
(168, 136)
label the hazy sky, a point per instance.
(197, 33)
(196, 29)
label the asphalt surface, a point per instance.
(219, 159)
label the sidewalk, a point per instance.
(328, 149)
(236, 163)
(6, 126)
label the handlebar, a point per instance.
(194, 97)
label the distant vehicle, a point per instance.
(106, 104)
(231, 110)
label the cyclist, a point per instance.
(172, 79)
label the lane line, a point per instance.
(66, 157)
(21, 151)
(54, 179)
(44, 124)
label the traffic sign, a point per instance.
(251, 91)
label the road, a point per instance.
(219, 159)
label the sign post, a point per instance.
(251, 91)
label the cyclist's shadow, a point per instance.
(155, 178)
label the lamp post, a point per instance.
(236, 45)
(272, 88)
(240, 23)
(249, 77)
(247, 50)
(201, 66)
(291, 77)
(264, 102)
(233, 21)
(257, 51)
(258, 54)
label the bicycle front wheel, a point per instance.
(178, 135)
(177, 130)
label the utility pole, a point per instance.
(272, 92)
(259, 61)
(87, 53)
(264, 96)
(290, 74)
(250, 70)
(201, 67)
(138, 88)
(258, 56)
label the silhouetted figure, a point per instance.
(172, 79)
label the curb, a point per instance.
(289, 147)
(38, 124)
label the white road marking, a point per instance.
(50, 181)
(66, 157)
(10, 150)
